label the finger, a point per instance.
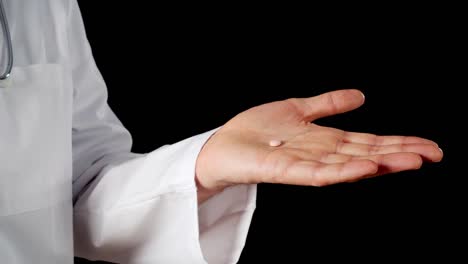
(396, 162)
(428, 151)
(314, 173)
(388, 163)
(371, 139)
(330, 103)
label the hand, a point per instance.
(310, 154)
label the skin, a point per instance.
(312, 155)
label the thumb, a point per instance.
(330, 103)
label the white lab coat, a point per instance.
(57, 133)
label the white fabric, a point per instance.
(57, 134)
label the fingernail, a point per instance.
(441, 150)
(363, 96)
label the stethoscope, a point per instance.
(6, 34)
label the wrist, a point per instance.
(203, 193)
(205, 182)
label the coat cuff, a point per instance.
(224, 222)
(224, 219)
(145, 210)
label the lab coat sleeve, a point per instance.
(141, 208)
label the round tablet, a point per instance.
(275, 143)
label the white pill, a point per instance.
(275, 143)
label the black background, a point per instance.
(176, 71)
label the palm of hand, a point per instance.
(310, 154)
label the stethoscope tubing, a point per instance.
(6, 34)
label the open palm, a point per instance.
(309, 154)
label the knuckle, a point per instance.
(331, 102)
(373, 149)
